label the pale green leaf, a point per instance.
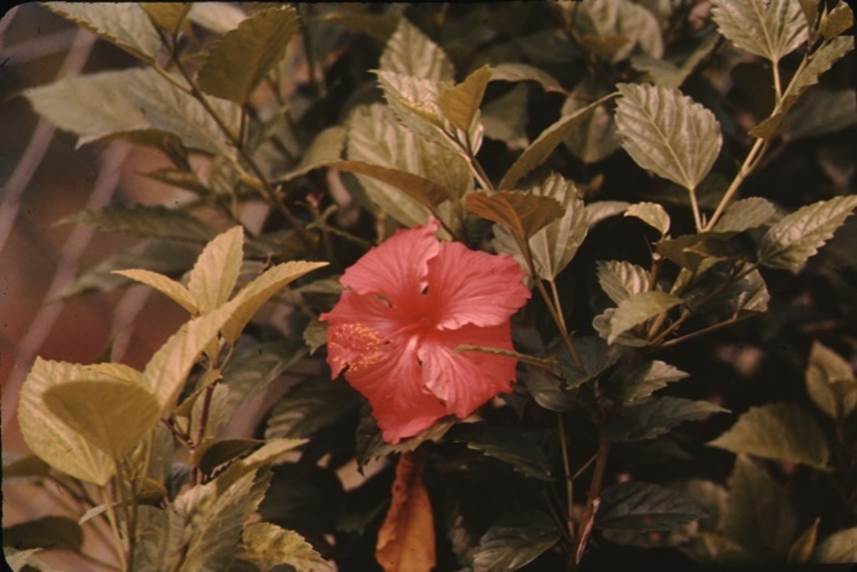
(637, 309)
(798, 236)
(553, 246)
(516, 72)
(600, 210)
(838, 548)
(778, 431)
(268, 545)
(505, 118)
(807, 76)
(770, 29)
(515, 541)
(410, 52)
(111, 103)
(620, 280)
(652, 214)
(112, 415)
(540, 149)
(159, 539)
(414, 100)
(460, 103)
(670, 75)
(215, 273)
(655, 416)
(613, 29)
(123, 25)
(218, 17)
(173, 289)
(758, 513)
(668, 133)
(643, 506)
(255, 294)
(594, 137)
(745, 214)
(830, 382)
(241, 58)
(522, 214)
(52, 439)
(167, 15)
(377, 138)
(315, 335)
(836, 21)
(325, 149)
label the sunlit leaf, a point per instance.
(594, 136)
(516, 72)
(410, 52)
(112, 415)
(637, 309)
(620, 280)
(461, 103)
(612, 29)
(770, 29)
(215, 273)
(779, 431)
(540, 149)
(406, 541)
(652, 214)
(839, 19)
(218, 17)
(242, 57)
(125, 26)
(600, 210)
(745, 214)
(798, 236)
(173, 289)
(268, 545)
(167, 15)
(802, 548)
(522, 214)
(644, 506)
(515, 541)
(838, 548)
(325, 149)
(668, 133)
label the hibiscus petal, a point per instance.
(398, 267)
(471, 287)
(466, 380)
(393, 384)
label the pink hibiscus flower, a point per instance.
(407, 305)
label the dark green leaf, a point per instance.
(514, 542)
(312, 405)
(158, 222)
(830, 382)
(644, 506)
(520, 450)
(745, 214)
(631, 382)
(656, 416)
(50, 532)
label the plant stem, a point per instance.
(778, 86)
(694, 205)
(117, 539)
(594, 494)
(566, 469)
(746, 168)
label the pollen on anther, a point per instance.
(354, 346)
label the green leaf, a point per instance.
(414, 100)
(553, 246)
(515, 541)
(220, 453)
(620, 280)
(838, 548)
(807, 76)
(820, 112)
(160, 539)
(172, 289)
(595, 136)
(520, 450)
(522, 214)
(632, 382)
(424, 191)
(49, 532)
(547, 390)
(113, 103)
(261, 458)
(143, 221)
(125, 26)
(796, 237)
(758, 513)
(830, 382)
(693, 250)
(51, 438)
(410, 52)
(600, 210)
(780, 431)
(670, 75)
(310, 406)
(268, 545)
(836, 21)
(802, 548)
(745, 214)
(637, 309)
(613, 29)
(505, 118)
(242, 57)
(260, 290)
(516, 72)
(540, 149)
(215, 273)
(769, 29)
(167, 15)
(325, 149)
(668, 133)
(652, 214)
(315, 335)
(26, 467)
(644, 507)
(112, 415)
(461, 103)
(370, 444)
(376, 137)
(655, 416)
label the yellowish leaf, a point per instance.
(174, 290)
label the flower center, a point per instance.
(354, 345)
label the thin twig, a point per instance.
(566, 469)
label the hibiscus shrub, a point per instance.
(555, 299)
